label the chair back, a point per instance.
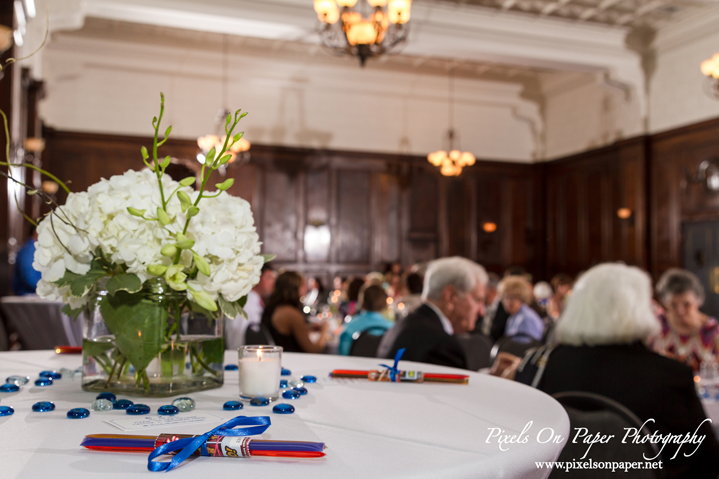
(39, 323)
(516, 345)
(477, 349)
(257, 334)
(599, 414)
(366, 345)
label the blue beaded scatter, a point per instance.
(122, 404)
(18, 380)
(283, 409)
(259, 401)
(232, 406)
(184, 404)
(6, 411)
(284, 383)
(301, 390)
(42, 382)
(9, 388)
(291, 394)
(167, 410)
(137, 409)
(109, 396)
(43, 406)
(50, 374)
(309, 379)
(286, 372)
(231, 367)
(78, 413)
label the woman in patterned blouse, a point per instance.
(687, 334)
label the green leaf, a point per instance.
(189, 181)
(202, 264)
(162, 216)
(225, 184)
(192, 211)
(228, 309)
(185, 201)
(68, 278)
(124, 282)
(96, 348)
(73, 313)
(138, 325)
(135, 211)
(268, 257)
(143, 150)
(166, 161)
(242, 301)
(81, 285)
(242, 312)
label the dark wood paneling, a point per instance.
(353, 201)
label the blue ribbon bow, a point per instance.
(392, 370)
(187, 446)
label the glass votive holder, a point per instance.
(260, 368)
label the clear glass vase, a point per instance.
(153, 344)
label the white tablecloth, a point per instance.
(372, 430)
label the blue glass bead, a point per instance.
(286, 372)
(283, 383)
(109, 396)
(231, 367)
(43, 406)
(309, 379)
(301, 390)
(18, 380)
(137, 409)
(50, 374)
(184, 404)
(232, 406)
(283, 409)
(260, 401)
(291, 394)
(102, 404)
(78, 413)
(42, 382)
(122, 404)
(6, 411)
(167, 410)
(9, 388)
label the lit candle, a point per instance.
(260, 368)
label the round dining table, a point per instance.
(488, 428)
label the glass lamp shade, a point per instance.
(362, 33)
(347, 3)
(377, 3)
(436, 157)
(327, 11)
(207, 142)
(350, 18)
(399, 11)
(466, 159)
(708, 67)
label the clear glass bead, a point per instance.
(102, 404)
(184, 404)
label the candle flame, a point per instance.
(259, 354)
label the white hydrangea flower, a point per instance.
(223, 231)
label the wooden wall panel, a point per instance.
(355, 223)
(280, 222)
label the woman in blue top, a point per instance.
(373, 300)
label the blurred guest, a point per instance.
(25, 277)
(601, 351)
(284, 319)
(349, 306)
(499, 321)
(542, 294)
(373, 300)
(491, 302)
(686, 333)
(454, 290)
(316, 293)
(254, 307)
(523, 321)
(562, 286)
(412, 300)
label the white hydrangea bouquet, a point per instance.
(139, 252)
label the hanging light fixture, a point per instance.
(452, 161)
(238, 150)
(710, 69)
(346, 31)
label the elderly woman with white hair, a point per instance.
(453, 295)
(600, 350)
(687, 334)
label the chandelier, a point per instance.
(346, 31)
(710, 69)
(452, 161)
(237, 150)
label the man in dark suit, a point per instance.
(453, 294)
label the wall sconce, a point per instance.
(707, 174)
(624, 213)
(489, 227)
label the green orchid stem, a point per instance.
(102, 363)
(204, 365)
(158, 173)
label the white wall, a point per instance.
(112, 86)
